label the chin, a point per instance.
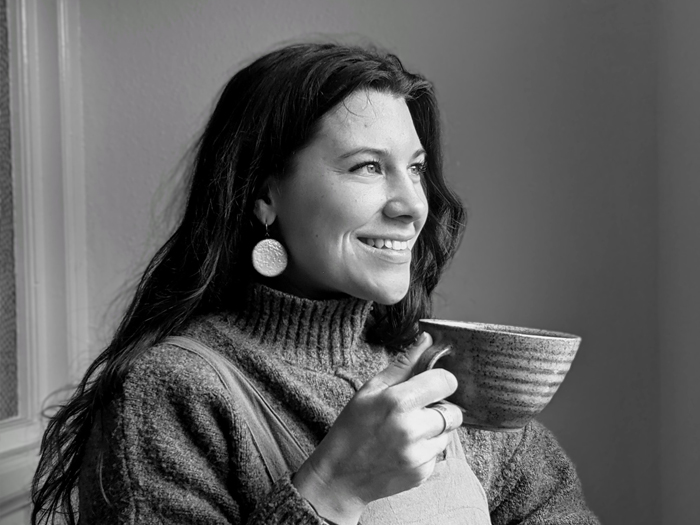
(388, 297)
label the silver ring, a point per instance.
(446, 417)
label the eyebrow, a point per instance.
(375, 151)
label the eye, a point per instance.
(418, 169)
(371, 167)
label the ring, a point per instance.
(445, 413)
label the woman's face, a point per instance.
(352, 207)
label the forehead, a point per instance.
(369, 118)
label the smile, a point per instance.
(385, 244)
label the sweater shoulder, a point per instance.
(168, 370)
(527, 473)
(503, 446)
(498, 458)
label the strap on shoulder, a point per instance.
(279, 448)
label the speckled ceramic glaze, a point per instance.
(506, 374)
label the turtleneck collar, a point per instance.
(312, 333)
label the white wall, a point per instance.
(550, 111)
(679, 259)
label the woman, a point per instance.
(277, 387)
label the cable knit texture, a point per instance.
(172, 448)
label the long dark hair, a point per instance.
(266, 112)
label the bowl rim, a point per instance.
(521, 331)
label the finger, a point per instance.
(437, 445)
(402, 367)
(443, 418)
(425, 388)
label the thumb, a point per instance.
(402, 367)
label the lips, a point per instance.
(385, 244)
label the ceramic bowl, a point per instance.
(506, 374)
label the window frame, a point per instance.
(50, 227)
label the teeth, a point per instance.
(387, 244)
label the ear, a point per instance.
(264, 207)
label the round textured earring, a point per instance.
(269, 256)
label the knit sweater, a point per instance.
(171, 448)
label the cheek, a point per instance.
(309, 228)
(338, 215)
(324, 220)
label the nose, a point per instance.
(406, 200)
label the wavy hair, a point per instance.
(266, 112)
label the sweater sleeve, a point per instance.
(171, 451)
(537, 483)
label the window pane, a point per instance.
(8, 319)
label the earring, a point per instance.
(269, 256)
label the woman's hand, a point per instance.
(385, 440)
